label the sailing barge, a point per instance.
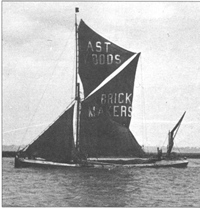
(94, 131)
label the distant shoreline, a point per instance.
(8, 153)
(188, 155)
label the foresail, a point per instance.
(98, 57)
(56, 143)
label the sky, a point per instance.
(38, 65)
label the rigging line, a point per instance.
(13, 130)
(175, 136)
(37, 125)
(176, 146)
(164, 141)
(46, 86)
(143, 105)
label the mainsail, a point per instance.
(107, 72)
(105, 117)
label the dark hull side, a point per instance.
(23, 163)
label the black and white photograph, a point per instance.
(100, 104)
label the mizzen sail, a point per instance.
(172, 134)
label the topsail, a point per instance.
(98, 57)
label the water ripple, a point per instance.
(162, 187)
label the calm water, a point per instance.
(92, 187)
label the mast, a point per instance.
(77, 85)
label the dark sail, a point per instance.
(178, 124)
(56, 143)
(172, 134)
(103, 137)
(98, 57)
(105, 117)
(115, 97)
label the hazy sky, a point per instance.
(39, 64)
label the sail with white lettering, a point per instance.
(115, 96)
(98, 57)
(105, 117)
(107, 72)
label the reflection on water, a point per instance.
(94, 187)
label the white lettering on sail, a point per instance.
(129, 111)
(115, 113)
(118, 105)
(90, 46)
(117, 58)
(110, 98)
(94, 111)
(128, 99)
(107, 43)
(91, 112)
(94, 59)
(102, 59)
(101, 54)
(116, 98)
(120, 100)
(114, 110)
(103, 99)
(98, 46)
(109, 59)
(123, 111)
(105, 59)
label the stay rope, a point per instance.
(52, 73)
(145, 140)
